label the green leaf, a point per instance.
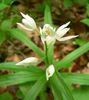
(83, 3)
(12, 67)
(2, 37)
(67, 3)
(19, 95)
(81, 93)
(36, 88)
(17, 78)
(72, 56)
(47, 15)
(6, 95)
(56, 95)
(18, 34)
(66, 93)
(25, 87)
(87, 9)
(3, 6)
(43, 95)
(76, 78)
(59, 87)
(79, 42)
(85, 21)
(8, 2)
(6, 25)
(55, 89)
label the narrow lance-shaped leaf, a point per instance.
(76, 78)
(18, 34)
(72, 56)
(17, 78)
(85, 21)
(43, 95)
(60, 87)
(47, 15)
(35, 90)
(66, 93)
(3, 6)
(55, 88)
(12, 67)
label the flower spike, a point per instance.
(48, 33)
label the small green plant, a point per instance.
(69, 3)
(34, 81)
(86, 20)
(7, 20)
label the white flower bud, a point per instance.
(28, 61)
(28, 21)
(49, 72)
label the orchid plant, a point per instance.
(36, 81)
(48, 36)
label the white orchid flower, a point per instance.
(28, 23)
(47, 34)
(28, 61)
(49, 72)
(61, 31)
(50, 35)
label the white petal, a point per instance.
(66, 38)
(88, 64)
(40, 30)
(27, 17)
(63, 26)
(47, 26)
(23, 27)
(28, 61)
(26, 23)
(30, 20)
(50, 40)
(62, 32)
(23, 15)
(47, 29)
(49, 72)
(41, 35)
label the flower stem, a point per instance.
(46, 53)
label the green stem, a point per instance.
(46, 53)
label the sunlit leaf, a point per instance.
(72, 56)
(17, 78)
(85, 21)
(18, 34)
(36, 88)
(76, 78)
(3, 6)
(79, 42)
(81, 93)
(12, 67)
(60, 89)
(47, 15)
(6, 95)
(6, 25)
